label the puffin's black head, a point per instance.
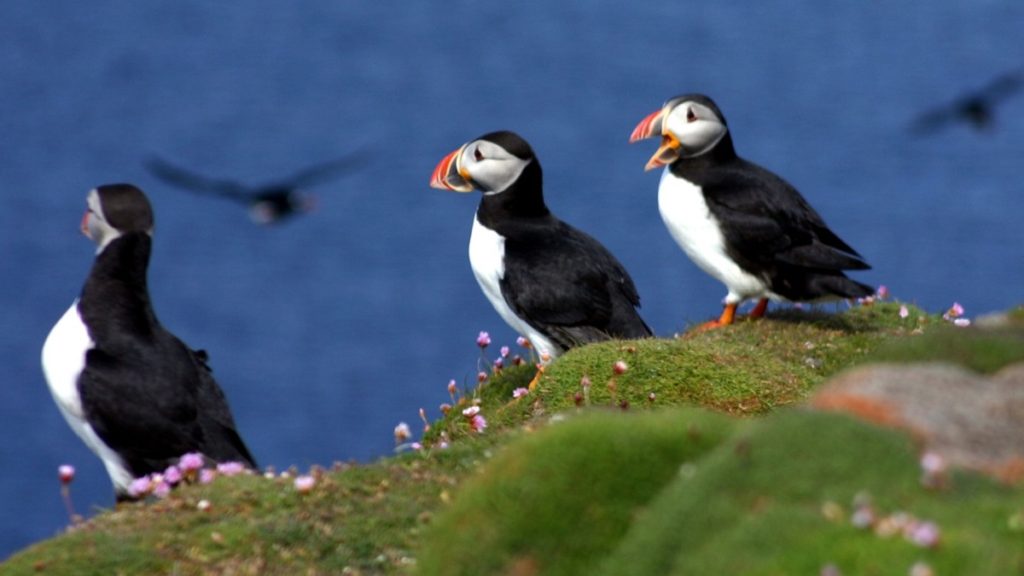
(491, 163)
(689, 125)
(114, 210)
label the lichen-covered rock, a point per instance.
(971, 421)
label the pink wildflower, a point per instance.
(203, 505)
(620, 367)
(190, 462)
(483, 340)
(140, 487)
(520, 392)
(925, 534)
(499, 364)
(504, 351)
(304, 483)
(451, 387)
(882, 292)
(172, 475)
(481, 377)
(961, 322)
(904, 312)
(66, 473)
(522, 342)
(230, 468)
(478, 423)
(162, 489)
(471, 411)
(207, 475)
(402, 432)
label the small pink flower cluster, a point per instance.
(190, 468)
(933, 471)
(476, 420)
(955, 315)
(880, 294)
(921, 533)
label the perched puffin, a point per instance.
(269, 203)
(132, 391)
(550, 282)
(740, 223)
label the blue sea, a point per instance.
(328, 330)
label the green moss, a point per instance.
(747, 501)
(557, 500)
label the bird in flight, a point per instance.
(977, 108)
(268, 203)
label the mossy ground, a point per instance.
(494, 497)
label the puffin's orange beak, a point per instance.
(651, 126)
(448, 175)
(85, 225)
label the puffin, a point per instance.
(975, 108)
(269, 203)
(132, 391)
(553, 284)
(740, 223)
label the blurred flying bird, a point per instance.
(268, 203)
(977, 108)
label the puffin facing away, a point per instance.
(740, 223)
(550, 282)
(132, 391)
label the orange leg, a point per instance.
(536, 378)
(727, 317)
(760, 309)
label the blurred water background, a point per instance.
(328, 330)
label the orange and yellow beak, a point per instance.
(651, 126)
(449, 175)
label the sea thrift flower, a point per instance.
(471, 411)
(190, 462)
(66, 473)
(207, 475)
(230, 468)
(545, 357)
(498, 364)
(651, 397)
(172, 475)
(520, 392)
(203, 505)
(904, 312)
(162, 489)
(925, 534)
(882, 292)
(620, 367)
(483, 340)
(481, 377)
(920, 568)
(522, 342)
(961, 322)
(304, 483)
(504, 351)
(402, 433)
(140, 487)
(478, 423)
(445, 408)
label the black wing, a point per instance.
(976, 107)
(569, 286)
(221, 440)
(326, 171)
(197, 183)
(767, 223)
(145, 412)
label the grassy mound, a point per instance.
(602, 491)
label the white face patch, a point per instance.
(96, 227)
(696, 127)
(490, 166)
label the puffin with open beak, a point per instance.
(745, 226)
(552, 283)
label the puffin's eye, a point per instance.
(690, 116)
(477, 155)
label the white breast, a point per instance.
(696, 230)
(63, 359)
(487, 257)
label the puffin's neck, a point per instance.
(722, 153)
(523, 199)
(115, 297)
